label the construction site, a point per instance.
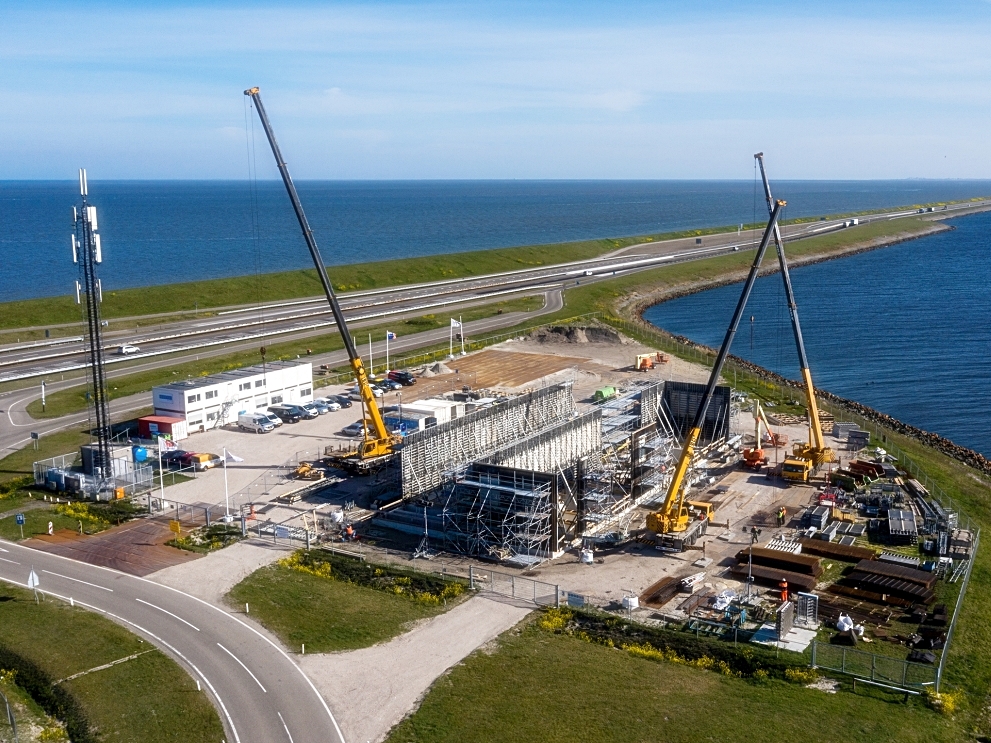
(642, 483)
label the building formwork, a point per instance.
(426, 457)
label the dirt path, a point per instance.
(373, 689)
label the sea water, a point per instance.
(160, 232)
(904, 329)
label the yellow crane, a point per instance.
(379, 441)
(815, 452)
(676, 515)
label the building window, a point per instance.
(196, 422)
(261, 403)
(211, 416)
(259, 383)
(193, 398)
(245, 386)
(306, 393)
(276, 399)
(210, 394)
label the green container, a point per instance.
(605, 393)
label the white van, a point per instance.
(254, 422)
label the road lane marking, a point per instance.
(166, 611)
(244, 667)
(285, 726)
(10, 561)
(3, 550)
(77, 580)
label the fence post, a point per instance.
(471, 577)
(814, 645)
(512, 585)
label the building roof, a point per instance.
(230, 376)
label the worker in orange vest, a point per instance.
(349, 533)
(783, 585)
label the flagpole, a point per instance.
(227, 501)
(461, 332)
(450, 340)
(371, 364)
(161, 474)
(386, 351)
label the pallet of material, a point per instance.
(836, 551)
(901, 572)
(804, 564)
(773, 576)
(694, 601)
(661, 592)
(831, 606)
(865, 595)
(890, 587)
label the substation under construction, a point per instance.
(523, 480)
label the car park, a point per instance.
(304, 413)
(354, 429)
(276, 420)
(403, 377)
(315, 407)
(342, 400)
(286, 413)
(127, 349)
(256, 422)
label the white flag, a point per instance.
(455, 323)
(33, 581)
(230, 457)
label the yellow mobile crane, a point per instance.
(675, 518)
(806, 457)
(378, 442)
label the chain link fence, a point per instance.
(514, 586)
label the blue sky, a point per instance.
(499, 90)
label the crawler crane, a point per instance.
(379, 442)
(674, 522)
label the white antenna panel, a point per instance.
(91, 215)
(82, 182)
(99, 250)
(77, 292)
(75, 255)
(99, 290)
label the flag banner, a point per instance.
(455, 323)
(232, 457)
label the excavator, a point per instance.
(806, 458)
(679, 522)
(378, 443)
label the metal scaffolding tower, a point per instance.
(88, 254)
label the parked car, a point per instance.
(316, 407)
(173, 456)
(390, 385)
(304, 413)
(330, 402)
(204, 461)
(285, 413)
(186, 460)
(354, 429)
(342, 400)
(403, 377)
(256, 422)
(275, 420)
(126, 349)
(355, 394)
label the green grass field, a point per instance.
(149, 699)
(18, 464)
(537, 687)
(326, 615)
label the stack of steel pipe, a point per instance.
(804, 564)
(836, 551)
(774, 576)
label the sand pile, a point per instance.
(577, 334)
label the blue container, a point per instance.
(140, 454)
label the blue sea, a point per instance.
(904, 329)
(157, 232)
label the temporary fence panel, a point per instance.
(514, 586)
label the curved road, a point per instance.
(262, 695)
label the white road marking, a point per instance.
(243, 666)
(3, 550)
(85, 583)
(10, 561)
(285, 726)
(166, 611)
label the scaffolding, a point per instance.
(427, 456)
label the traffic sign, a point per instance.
(176, 527)
(282, 532)
(19, 519)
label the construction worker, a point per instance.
(783, 585)
(781, 516)
(349, 533)
(754, 534)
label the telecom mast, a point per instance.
(88, 253)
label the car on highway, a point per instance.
(403, 377)
(275, 420)
(330, 403)
(354, 429)
(341, 400)
(127, 349)
(286, 413)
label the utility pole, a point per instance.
(88, 253)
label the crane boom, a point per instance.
(378, 441)
(815, 426)
(672, 516)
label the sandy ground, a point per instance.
(371, 690)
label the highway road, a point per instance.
(297, 319)
(260, 692)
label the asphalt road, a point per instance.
(260, 692)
